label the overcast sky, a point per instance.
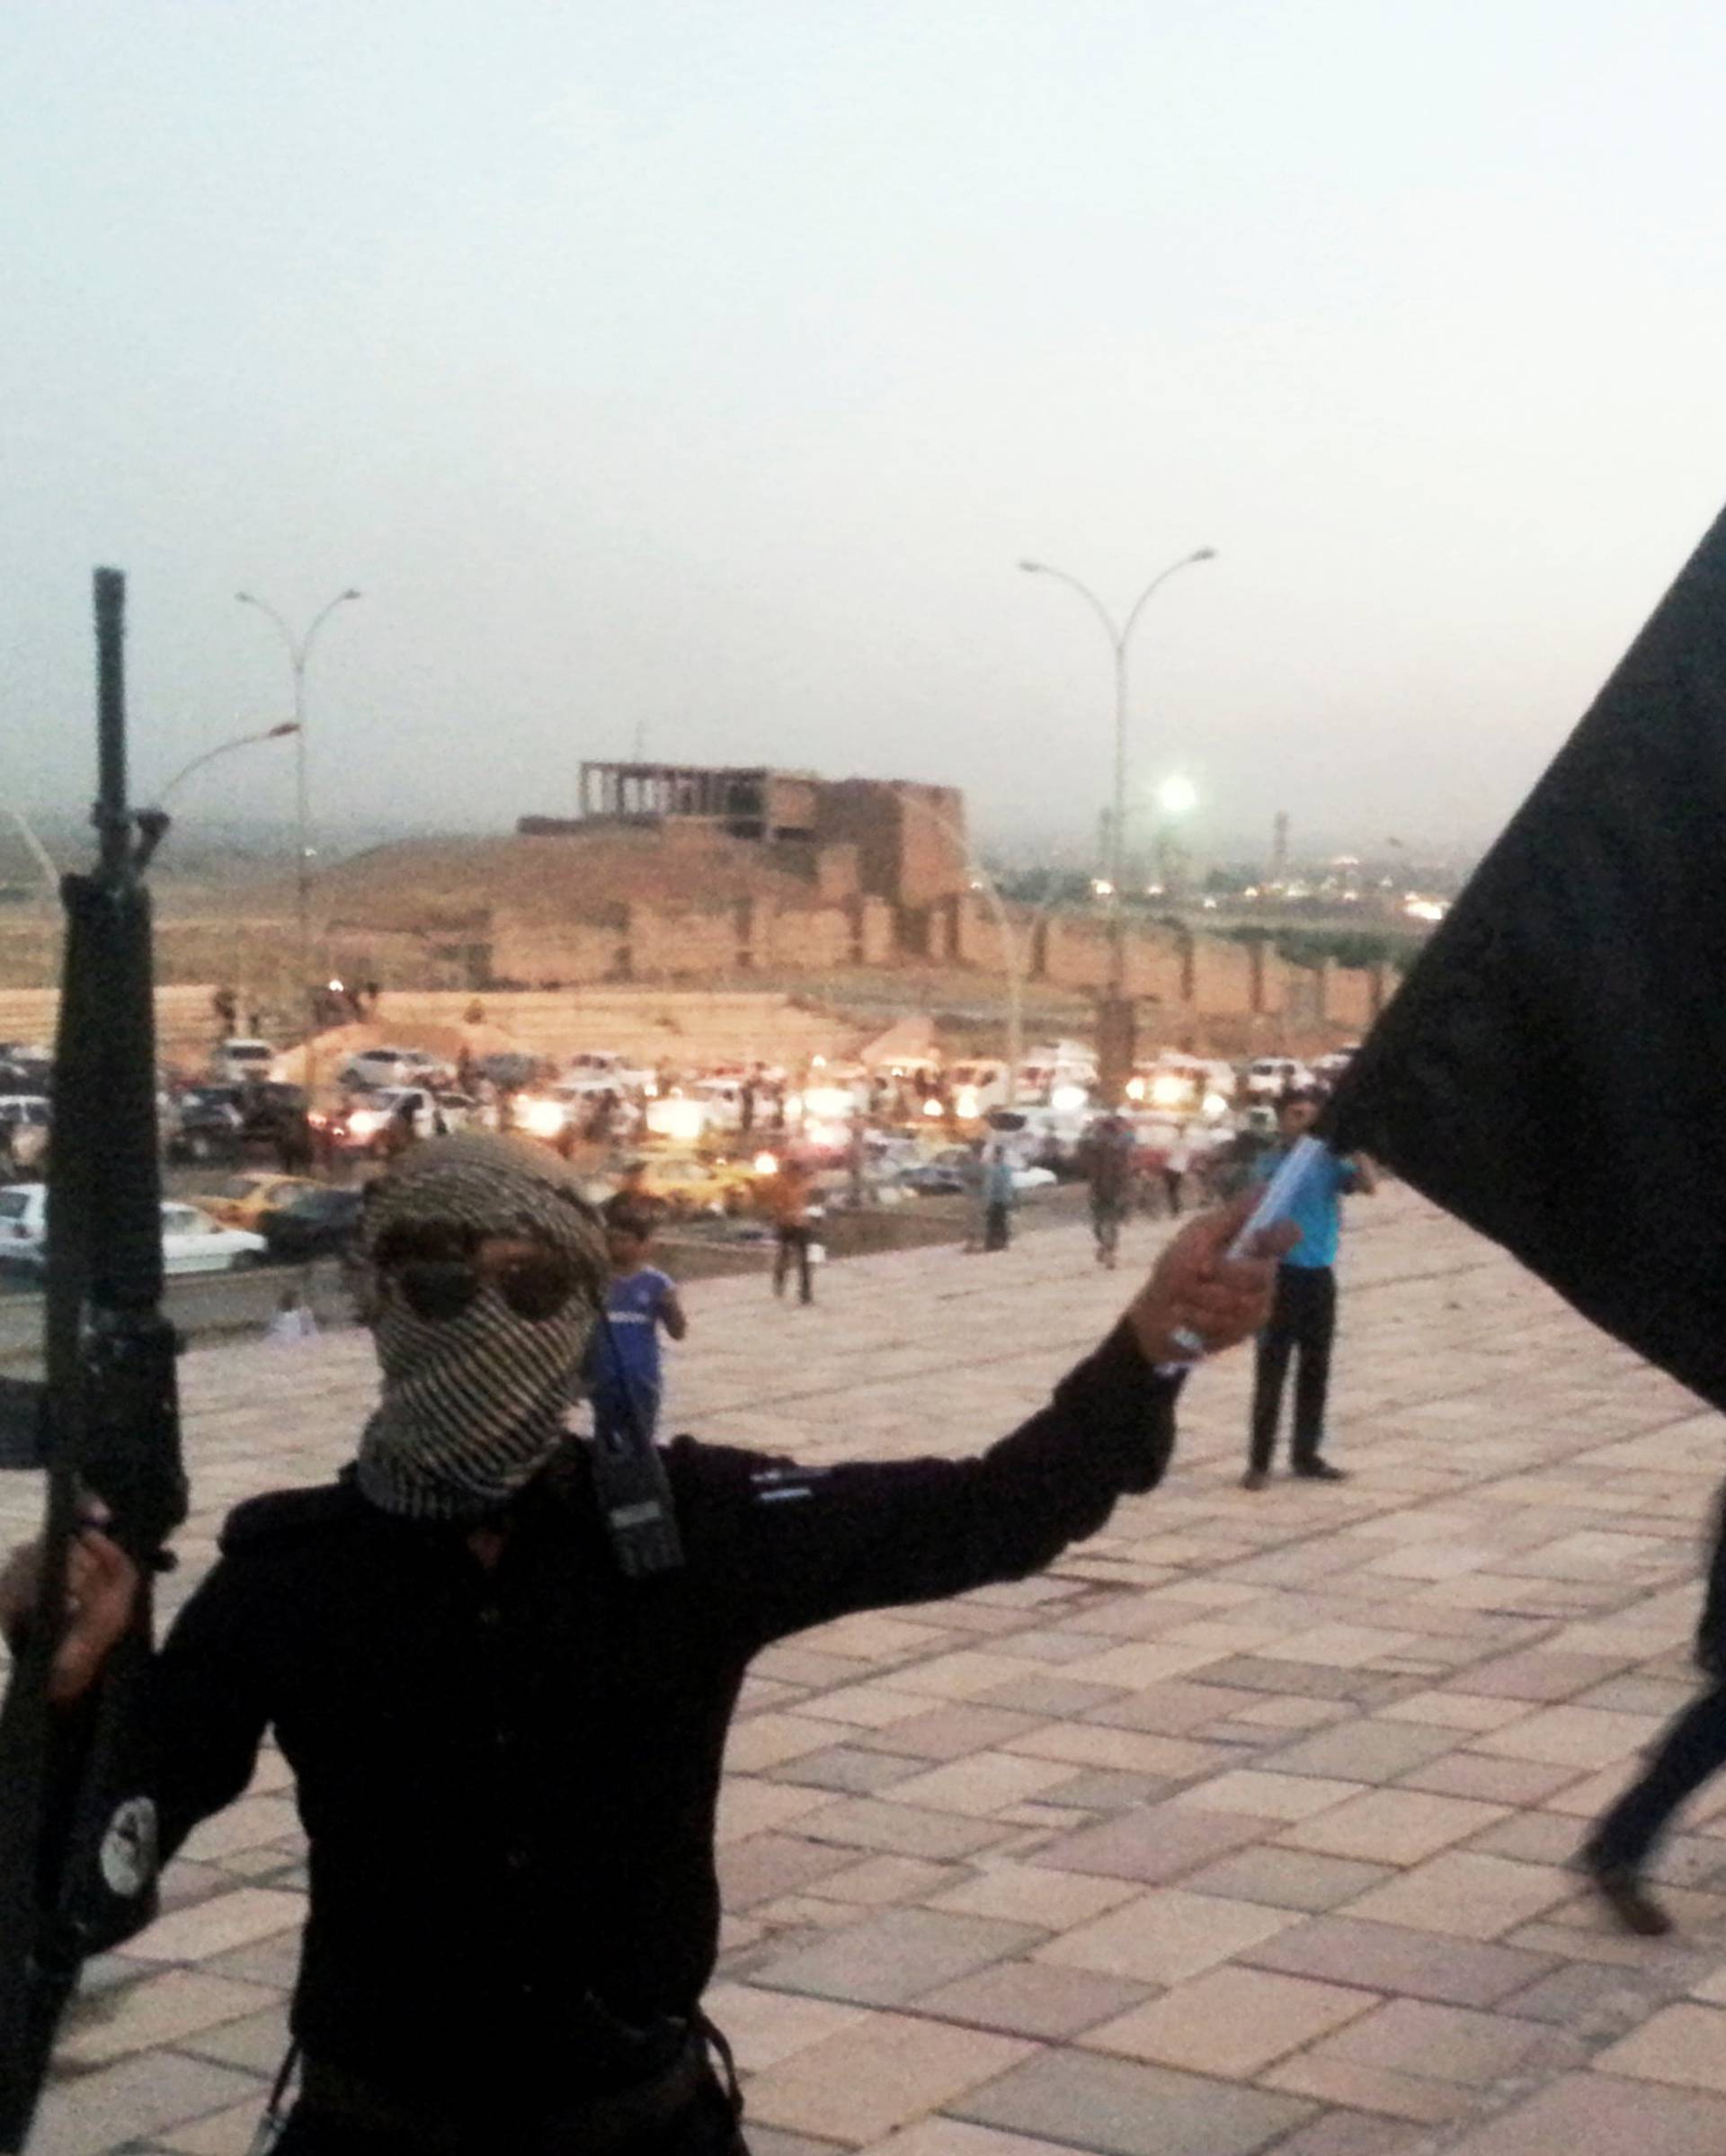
(706, 369)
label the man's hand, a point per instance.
(100, 1593)
(1196, 1288)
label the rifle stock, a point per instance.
(77, 1821)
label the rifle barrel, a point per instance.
(111, 718)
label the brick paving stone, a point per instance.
(229, 2133)
(1267, 1792)
(890, 1959)
(133, 2099)
(1151, 1845)
(1683, 2044)
(860, 2084)
(847, 1768)
(1543, 1674)
(959, 2137)
(767, 1866)
(258, 2044)
(874, 1822)
(1173, 1707)
(1458, 1709)
(1034, 1893)
(1409, 2096)
(1391, 1826)
(764, 2027)
(983, 1783)
(1032, 1998)
(880, 1880)
(1287, 1878)
(1597, 2114)
(1389, 1957)
(1465, 1895)
(166, 2009)
(211, 1927)
(769, 1739)
(1232, 2022)
(1353, 2134)
(1368, 1749)
(1104, 1789)
(1494, 1781)
(1570, 1736)
(1439, 2043)
(1122, 2108)
(947, 1732)
(1165, 1935)
(770, 2141)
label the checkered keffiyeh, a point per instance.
(473, 1406)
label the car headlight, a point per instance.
(542, 1119)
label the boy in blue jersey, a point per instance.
(1304, 1314)
(622, 1366)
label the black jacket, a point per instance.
(508, 1777)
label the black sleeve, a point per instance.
(209, 1709)
(816, 1542)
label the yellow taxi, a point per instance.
(239, 1201)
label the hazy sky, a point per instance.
(707, 368)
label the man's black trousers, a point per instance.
(793, 1249)
(1303, 1317)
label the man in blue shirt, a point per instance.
(1304, 1314)
(622, 1368)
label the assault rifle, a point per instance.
(77, 1824)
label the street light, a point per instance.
(300, 650)
(1120, 636)
(1177, 796)
(224, 748)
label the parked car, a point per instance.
(316, 1221)
(205, 1125)
(370, 1068)
(192, 1241)
(26, 1120)
(241, 1201)
(953, 1168)
(237, 1060)
(367, 1129)
(1268, 1076)
(595, 1069)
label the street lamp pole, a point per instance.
(300, 650)
(1120, 638)
(224, 748)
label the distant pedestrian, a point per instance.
(1303, 1316)
(622, 1366)
(1106, 1153)
(998, 1199)
(293, 1320)
(788, 1198)
(1176, 1160)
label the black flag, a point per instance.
(1552, 1069)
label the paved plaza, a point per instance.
(1244, 1829)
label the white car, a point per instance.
(369, 1068)
(367, 1125)
(26, 1119)
(1270, 1075)
(192, 1241)
(603, 1069)
(236, 1061)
